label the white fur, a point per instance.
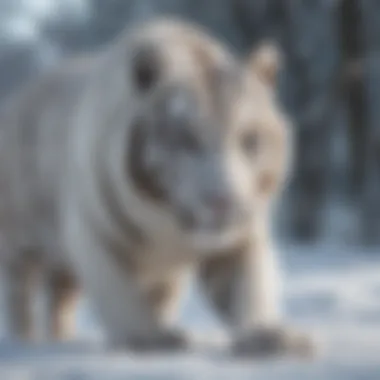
(95, 144)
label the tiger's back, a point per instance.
(34, 128)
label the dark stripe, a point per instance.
(132, 234)
(146, 67)
(161, 294)
(125, 256)
(121, 217)
(146, 181)
(124, 249)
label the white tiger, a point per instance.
(161, 154)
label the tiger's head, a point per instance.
(207, 143)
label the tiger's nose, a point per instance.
(222, 209)
(219, 203)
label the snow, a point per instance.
(333, 291)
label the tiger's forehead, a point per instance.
(220, 101)
(206, 83)
(207, 70)
(227, 94)
(194, 58)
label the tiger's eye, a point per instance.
(250, 142)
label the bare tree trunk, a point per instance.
(370, 204)
(309, 39)
(352, 50)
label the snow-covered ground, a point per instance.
(334, 292)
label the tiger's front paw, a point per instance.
(264, 342)
(167, 340)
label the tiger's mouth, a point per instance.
(214, 240)
(214, 225)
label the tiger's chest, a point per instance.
(165, 259)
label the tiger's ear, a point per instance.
(266, 61)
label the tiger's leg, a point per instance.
(243, 286)
(163, 299)
(19, 288)
(115, 291)
(62, 295)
